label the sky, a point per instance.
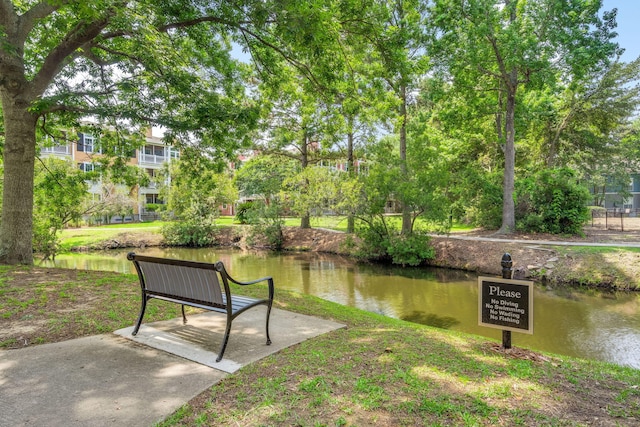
(628, 29)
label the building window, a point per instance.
(154, 150)
(154, 199)
(86, 143)
(87, 167)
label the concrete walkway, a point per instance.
(120, 380)
(541, 242)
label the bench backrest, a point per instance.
(193, 281)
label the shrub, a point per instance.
(243, 212)
(267, 221)
(189, 233)
(413, 249)
(481, 201)
(379, 243)
(45, 238)
(552, 201)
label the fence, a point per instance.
(618, 219)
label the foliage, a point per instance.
(493, 50)
(60, 196)
(480, 200)
(552, 201)
(197, 189)
(191, 232)
(135, 64)
(301, 124)
(117, 200)
(242, 212)
(411, 249)
(263, 176)
(608, 167)
(400, 39)
(154, 207)
(311, 191)
(267, 221)
(381, 241)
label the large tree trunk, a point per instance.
(508, 204)
(407, 224)
(16, 229)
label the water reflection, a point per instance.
(590, 325)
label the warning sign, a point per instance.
(505, 304)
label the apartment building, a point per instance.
(151, 157)
(614, 201)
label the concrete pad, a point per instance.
(107, 380)
(101, 380)
(200, 339)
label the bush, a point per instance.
(267, 221)
(413, 249)
(189, 233)
(243, 212)
(380, 243)
(481, 202)
(552, 201)
(45, 239)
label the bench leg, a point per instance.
(225, 340)
(184, 318)
(268, 314)
(142, 309)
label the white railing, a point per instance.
(56, 149)
(152, 158)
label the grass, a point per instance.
(76, 237)
(612, 267)
(594, 250)
(69, 303)
(375, 371)
(381, 371)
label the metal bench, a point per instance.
(196, 284)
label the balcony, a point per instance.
(60, 150)
(152, 159)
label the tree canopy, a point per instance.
(133, 64)
(460, 86)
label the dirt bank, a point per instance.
(544, 263)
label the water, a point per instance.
(593, 325)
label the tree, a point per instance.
(400, 44)
(321, 190)
(300, 124)
(587, 116)
(198, 187)
(136, 63)
(60, 196)
(501, 45)
(263, 176)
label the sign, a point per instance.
(505, 304)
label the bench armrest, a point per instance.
(267, 279)
(262, 279)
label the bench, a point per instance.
(196, 284)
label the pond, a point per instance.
(591, 325)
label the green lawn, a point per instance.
(375, 371)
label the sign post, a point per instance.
(505, 303)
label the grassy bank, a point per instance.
(614, 267)
(376, 371)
